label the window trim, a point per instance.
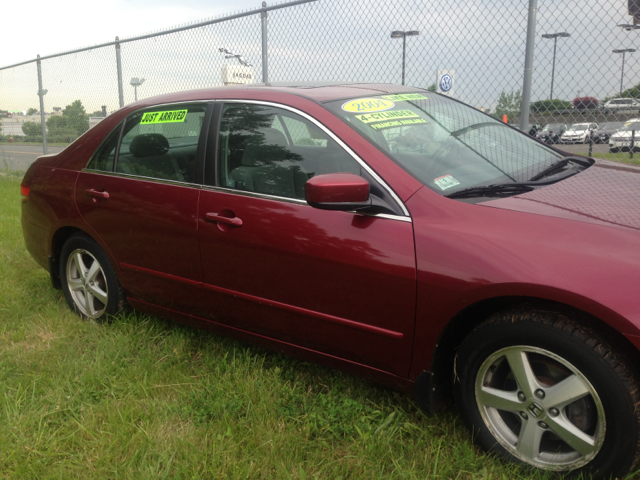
(334, 137)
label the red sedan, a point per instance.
(385, 230)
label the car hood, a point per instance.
(607, 193)
(625, 134)
(575, 132)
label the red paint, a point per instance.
(337, 187)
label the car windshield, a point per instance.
(548, 127)
(445, 144)
(578, 127)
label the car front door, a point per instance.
(139, 194)
(341, 283)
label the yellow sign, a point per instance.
(368, 105)
(405, 97)
(173, 116)
(398, 123)
(392, 115)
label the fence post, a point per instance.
(41, 94)
(528, 65)
(119, 66)
(265, 55)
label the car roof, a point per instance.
(318, 92)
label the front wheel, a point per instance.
(539, 389)
(89, 281)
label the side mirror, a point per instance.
(338, 191)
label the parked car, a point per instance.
(552, 132)
(389, 231)
(622, 104)
(605, 130)
(579, 133)
(621, 140)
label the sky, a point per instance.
(62, 25)
(332, 40)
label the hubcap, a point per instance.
(540, 408)
(87, 283)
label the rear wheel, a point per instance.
(89, 281)
(539, 389)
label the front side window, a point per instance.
(273, 151)
(445, 144)
(162, 142)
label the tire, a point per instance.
(568, 408)
(614, 150)
(99, 295)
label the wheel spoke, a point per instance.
(521, 369)
(572, 435)
(500, 399)
(529, 440)
(82, 268)
(75, 284)
(88, 302)
(93, 271)
(565, 392)
(98, 293)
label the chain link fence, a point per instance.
(583, 80)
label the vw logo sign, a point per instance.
(446, 82)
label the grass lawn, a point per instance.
(622, 157)
(144, 398)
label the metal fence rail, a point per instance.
(551, 58)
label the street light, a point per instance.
(623, 51)
(404, 35)
(555, 42)
(135, 83)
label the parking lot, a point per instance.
(19, 157)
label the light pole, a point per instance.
(555, 43)
(135, 83)
(623, 52)
(404, 35)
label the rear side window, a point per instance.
(162, 142)
(105, 157)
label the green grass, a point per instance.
(622, 157)
(143, 398)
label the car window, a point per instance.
(273, 151)
(105, 155)
(161, 142)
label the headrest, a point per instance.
(149, 144)
(271, 148)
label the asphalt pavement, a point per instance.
(19, 157)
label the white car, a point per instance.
(622, 104)
(579, 133)
(621, 140)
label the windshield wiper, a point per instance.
(560, 165)
(498, 190)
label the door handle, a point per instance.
(96, 194)
(214, 217)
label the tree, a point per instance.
(549, 106)
(32, 129)
(58, 129)
(32, 111)
(76, 118)
(509, 105)
(432, 87)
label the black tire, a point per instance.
(614, 150)
(97, 294)
(557, 349)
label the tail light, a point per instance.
(24, 191)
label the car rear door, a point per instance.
(338, 282)
(139, 194)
